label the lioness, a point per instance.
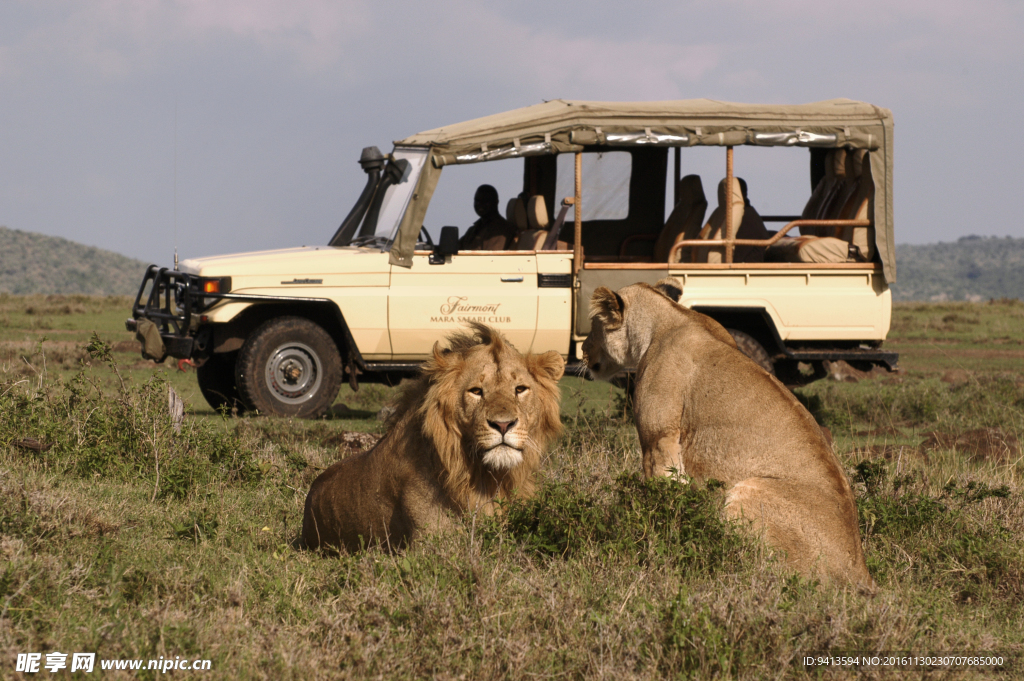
(703, 408)
(468, 431)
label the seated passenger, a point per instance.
(491, 232)
(752, 227)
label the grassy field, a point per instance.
(121, 537)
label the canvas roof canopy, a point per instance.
(561, 126)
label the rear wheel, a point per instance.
(289, 367)
(216, 379)
(752, 349)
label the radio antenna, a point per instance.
(175, 183)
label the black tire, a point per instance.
(752, 349)
(217, 383)
(289, 367)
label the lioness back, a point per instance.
(468, 432)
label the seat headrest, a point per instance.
(537, 212)
(830, 165)
(691, 191)
(737, 195)
(854, 160)
(515, 213)
(857, 160)
(865, 166)
(839, 163)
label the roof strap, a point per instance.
(699, 131)
(483, 147)
(547, 138)
(515, 143)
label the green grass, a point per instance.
(120, 536)
(959, 337)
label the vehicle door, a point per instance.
(427, 302)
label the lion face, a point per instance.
(489, 408)
(501, 406)
(606, 349)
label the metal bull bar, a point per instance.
(173, 316)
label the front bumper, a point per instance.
(173, 302)
(166, 299)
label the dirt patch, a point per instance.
(966, 353)
(316, 433)
(126, 346)
(55, 354)
(892, 453)
(352, 441)
(956, 376)
(982, 444)
(885, 431)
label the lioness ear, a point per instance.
(671, 287)
(607, 306)
(549, 365)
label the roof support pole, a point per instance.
(730, 236)
(675, 181)
(577, 243)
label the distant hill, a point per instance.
(972, 268)
(34, 263)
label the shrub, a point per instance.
(653, 521)
(82, 428)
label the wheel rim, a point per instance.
(293, 373)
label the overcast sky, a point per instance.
(274, 100)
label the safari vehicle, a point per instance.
(278, 331)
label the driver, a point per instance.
(491, 232)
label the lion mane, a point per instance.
(468, 432)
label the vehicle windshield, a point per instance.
(395, 201)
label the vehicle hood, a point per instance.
(289, 261)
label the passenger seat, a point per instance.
(533, 238)
(515, 214)
(684, 222)
(832, 206)
(843, 244)
(862, 207)
(716, 227)
(819, 195)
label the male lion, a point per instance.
(705, 409)
(468, 431)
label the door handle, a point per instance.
(507, 279)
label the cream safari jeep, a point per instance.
(603, 202)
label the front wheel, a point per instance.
(289, 367)
(216, 377)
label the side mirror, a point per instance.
(447, 244)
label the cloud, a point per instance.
(313, 31)
(112, 39)
(585, 67)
